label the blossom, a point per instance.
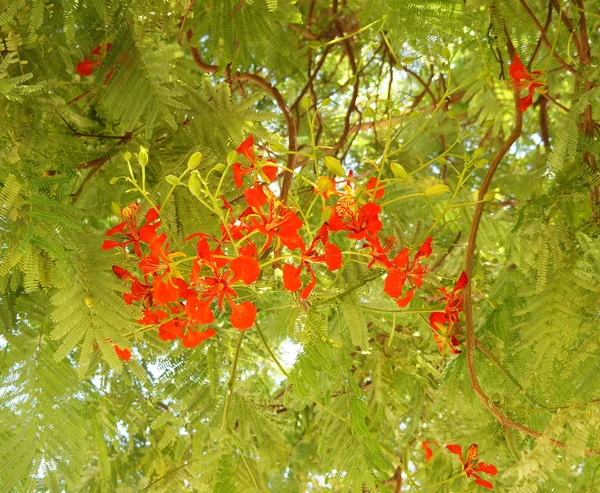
(280, 222)
(402, 271)
(124, 354)
(219, 285)
(523, 79)
(472, 466)
(328, 254)
(326, 187)
(139, 291)
(257, 165)
(86, 67)
(378, 251)
(129, 229)
(450, 315)
(184, 327)
(360, 222)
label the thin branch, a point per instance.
(545, 39)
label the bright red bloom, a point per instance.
(401, 271)
(255, 196)
(280, 222)
(124, 354)
(378, 252)
(471, 465)
(447, 337)
(256, 165)
(129, 229)
(139, 291)
(86, 67)
(328, 254)
(360, 223)
(373, 184)
(523, 79)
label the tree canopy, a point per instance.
(299, 245)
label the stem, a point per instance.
(231, 381)
(273, 357)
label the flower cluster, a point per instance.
(178, 294)
(472, 468)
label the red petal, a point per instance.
(270, 172)
(169, 331)
(401, 260)
(462, 282)
(255, 196)
(122, 273)
(242, 315)
(199, 311)
(246, 146)
(291, 277)
(487, 468)
(246, 269)
(394, 283)
(455, 449)
(109, 244)
(148, 232)
(152, 214)
(85, 68)
(371, 184)
(164, 291)
(527, 101)
(333, 256)
(483, 482)
(238, 174)
(425, 250)
(193, 338)
(290, 238)
(402, 302)
(116, 229)
(249, 250)
(124, 354)
(305, 293)
(428, 451)
(226, 204)
(518, 71)
(437, 320)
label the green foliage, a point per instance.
(336, 392)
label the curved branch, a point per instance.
(275, 94)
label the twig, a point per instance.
(564, 64)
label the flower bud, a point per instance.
(334, 166)
(399, 171)
(436, 190)
(143, 157)
(194, 160)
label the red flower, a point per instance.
(128, 228)
(428, 451)
(326, 187)
(523, 79)
(124, 354)
(472, 465)
(401, 271)
(378, 252)
(331, 256)
(438, 320)
(256, 165)
(360, 223)
(183, 328)
(255, 196)
(139, 290)
(86, 67)
(280, 222)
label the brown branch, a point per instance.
(183, 19)
(539, 43)
(545, 40)
(275, 94)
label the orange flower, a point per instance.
(523, 79)
(258, 165)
